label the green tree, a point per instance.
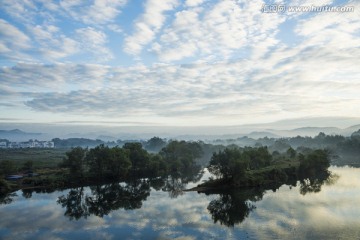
(181, 155)
(119, 163)
(75, 161)
(291, 152)
(155, 144)
(228, 163)
(138, 156)
(157, 166)
(258, 157)
(315, 162)
(98, 159)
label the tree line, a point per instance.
(344, 150)
(246, 167)
(131, 160)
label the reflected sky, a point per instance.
(286, 214)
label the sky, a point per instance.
(177, 63)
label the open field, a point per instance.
(41, 157)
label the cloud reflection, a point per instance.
(284, 214)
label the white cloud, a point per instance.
(245, 68)
(99, 12)
(148, 25)
(23, 10)
(228, 92)
(115, 28)
(194, 3)
(331, 30)
(94, 41)
(44, 21)
(53, 44)
(224, 31)
(12, 38)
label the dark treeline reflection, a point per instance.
(234, 206)
(103, 199)
(228, 208)
(313, 184)
(26, 193)
(176, 183)
(7, 198)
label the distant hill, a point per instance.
(257, 135)
(313, 131)
(18, 135)
(352, 129)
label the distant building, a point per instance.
(31, 144)
(3, 144)
(14, 145)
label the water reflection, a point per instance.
(228, 208)
(104, 199)
(332, 213)
(176, 183)
(313, 184)
(7, 198)
(233, 207)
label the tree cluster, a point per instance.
(103, 162)
(344, 150)
(233, 162)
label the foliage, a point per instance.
(103, 162)
(316, 161)
(154, 144)
(139, 157)
(76, 142)
(75, 161)
(181, 155)
(233, 162)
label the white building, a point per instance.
(3, 145)
(32, 144)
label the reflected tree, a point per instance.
(104, 199)
(176, 182)
(233, 207)
(135, 193)
(75, 204)
(107, 198)
(174, 186)
(27, 193)
(157, 183)
(314, 184)
(7, 198)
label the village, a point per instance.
(29, 144)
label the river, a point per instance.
(317, 210)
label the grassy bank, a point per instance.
(41, 158)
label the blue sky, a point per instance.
(170, 62)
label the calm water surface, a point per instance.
(317, 210)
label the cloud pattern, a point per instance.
(211, 61)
